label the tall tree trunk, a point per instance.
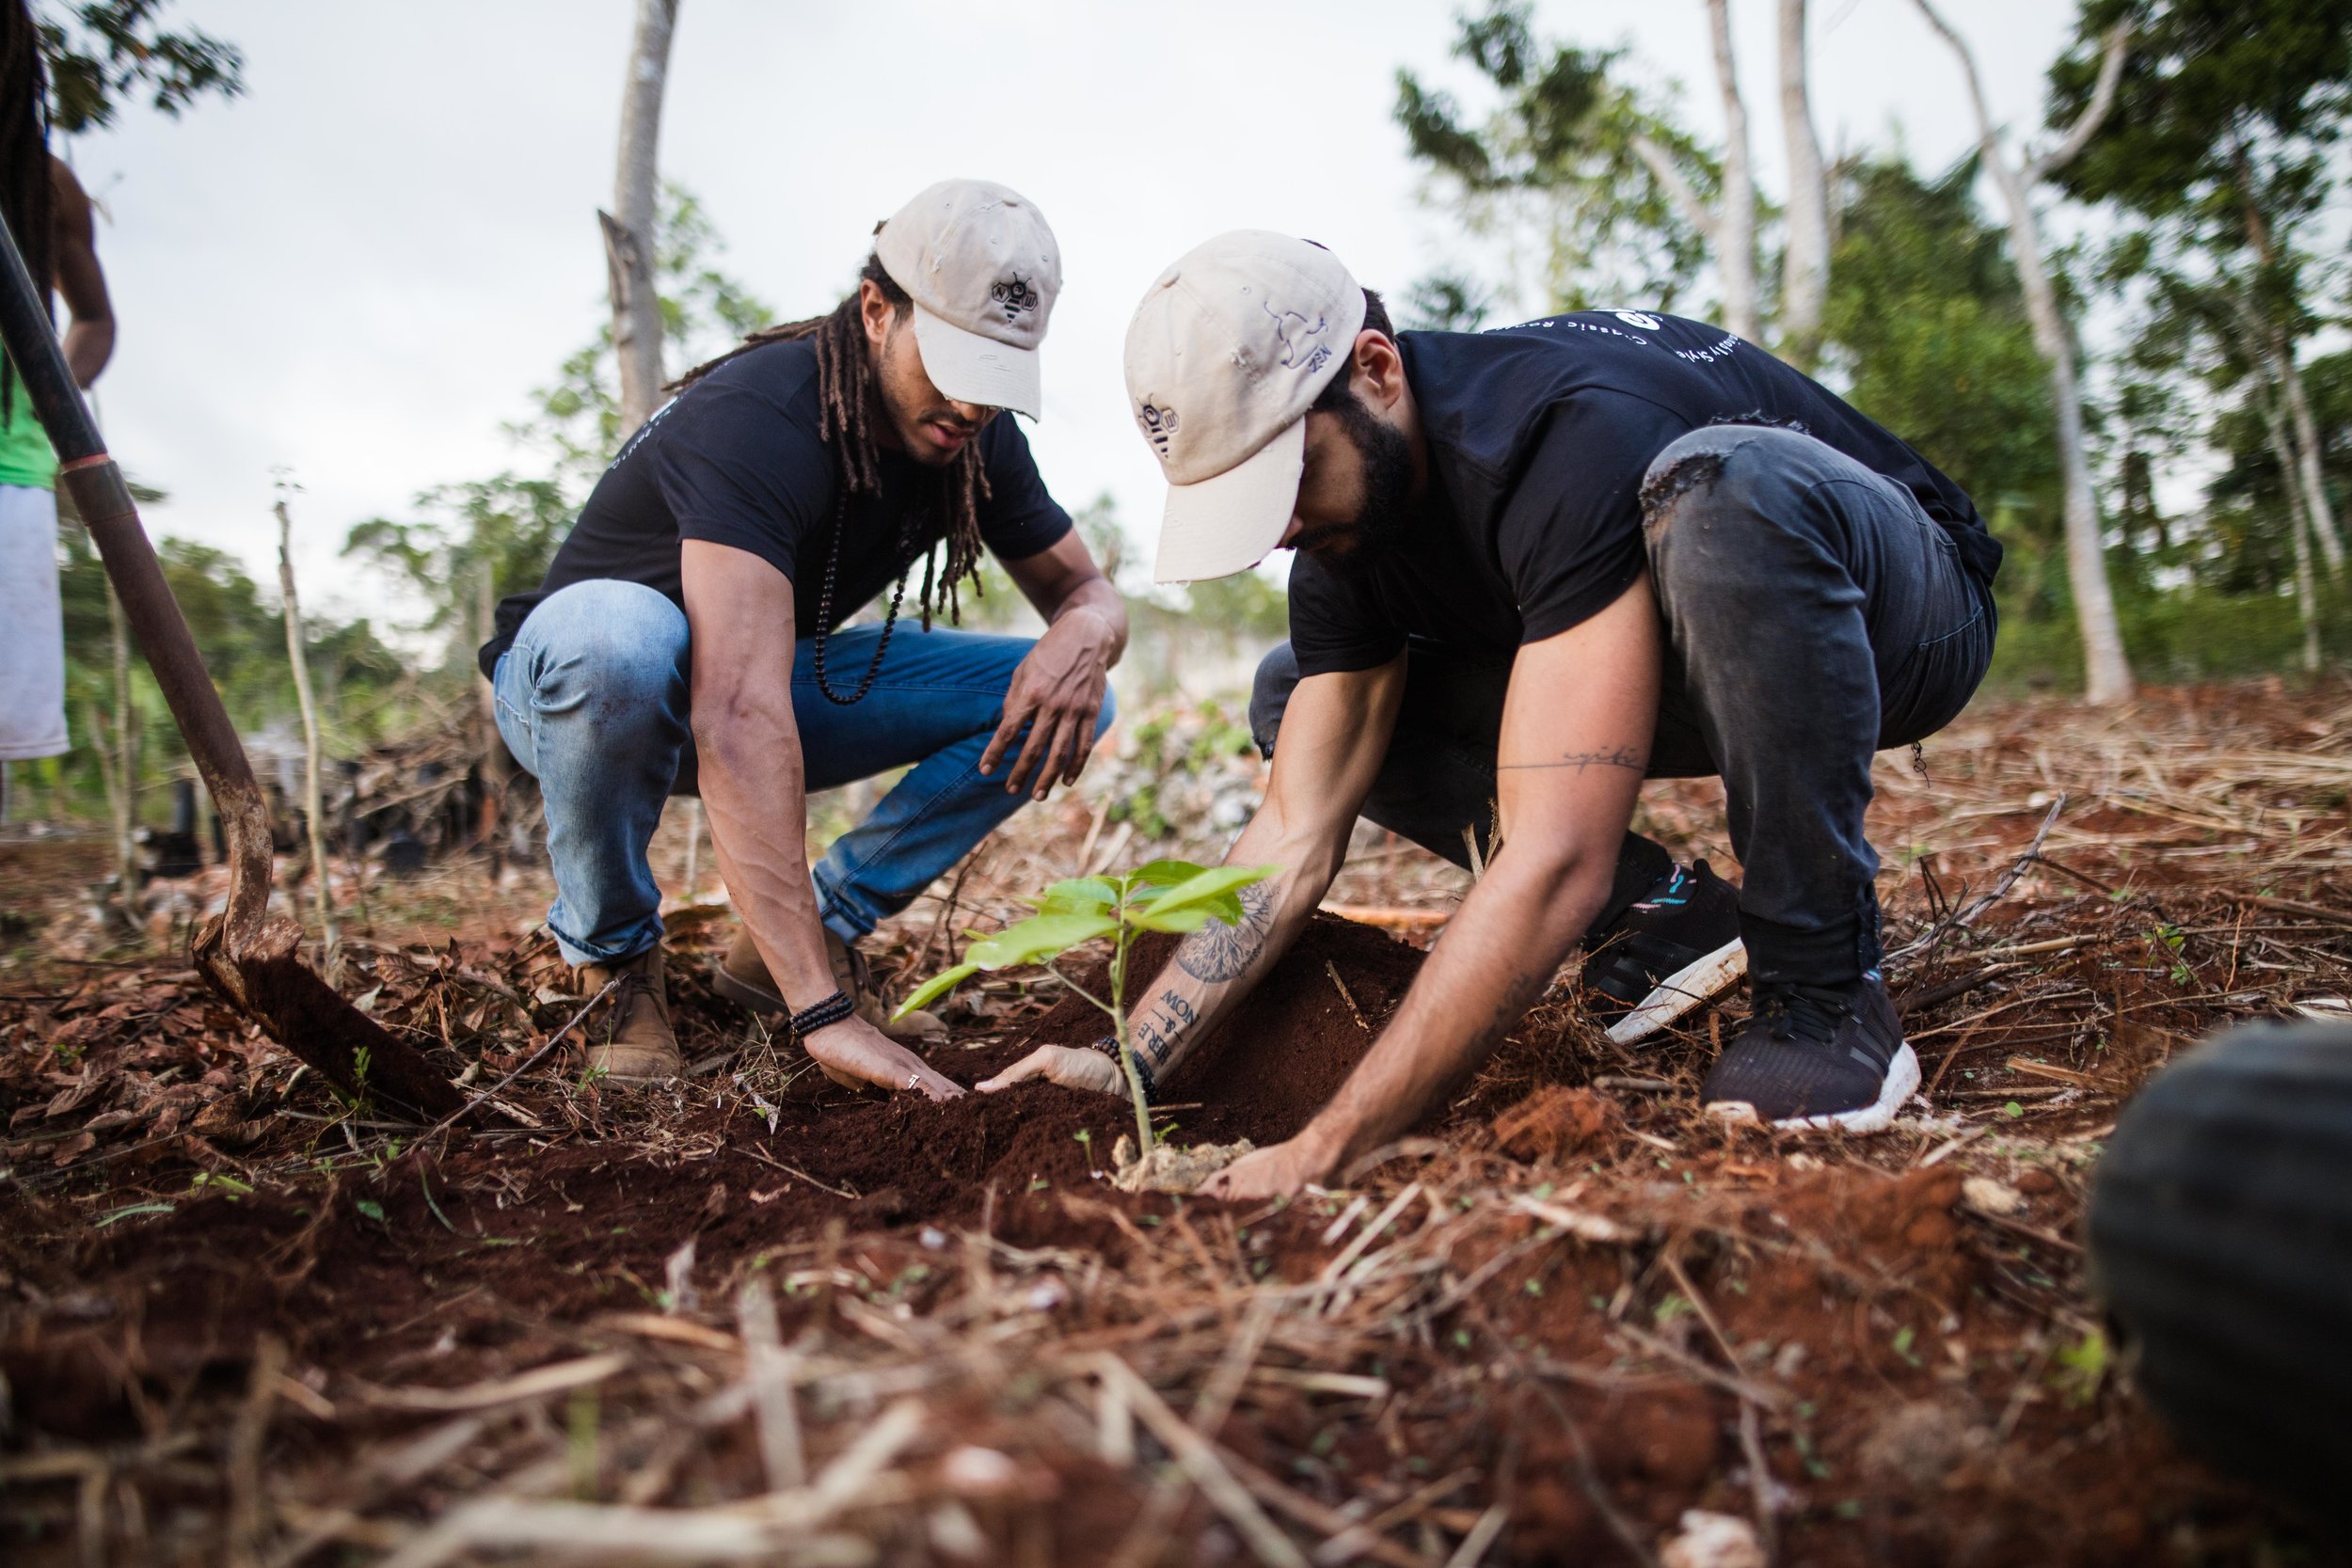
(629, 228)
(1804, 264)
(2273, 342)
(2310, 469)
(1736, 240)
(313, 794)
(2107, 673)
(2298, 523)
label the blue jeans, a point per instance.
(593, 701)
(1814, 615)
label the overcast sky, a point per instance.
(358, 270)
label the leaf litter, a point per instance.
(756, 1317)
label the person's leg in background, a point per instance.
(32, 629)
(1662, 923)
(592, 700)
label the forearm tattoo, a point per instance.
(1154, 1035)
(1218, 951)
(1622, 756)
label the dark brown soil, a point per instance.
(1937, 1389)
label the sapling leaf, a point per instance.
(1182, 921)
(1041, 936)
(1160, 873)
(1078, 895)
(938, 985)
(1213, 888)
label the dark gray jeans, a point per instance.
(1814, 615)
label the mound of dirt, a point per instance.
(1553, 1123)
(1267, 1070)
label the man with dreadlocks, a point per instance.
(51, 219)
(689, 634)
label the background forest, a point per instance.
(2121, 328)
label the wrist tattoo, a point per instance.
(1218, 951)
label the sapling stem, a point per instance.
(1120, 941)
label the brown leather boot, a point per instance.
(640, 1047)
(742, 976)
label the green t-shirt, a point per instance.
(24, 456)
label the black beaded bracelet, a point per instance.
(832, 1010)
(1108, 1046)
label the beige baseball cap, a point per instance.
(1226, 353)
(983, 271)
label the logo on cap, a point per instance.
(1015, 294)
(1317, 357)
(1158, 425)
(1642, 319)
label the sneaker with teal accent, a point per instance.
(1673, 949)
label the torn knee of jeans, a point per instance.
(1665, 486)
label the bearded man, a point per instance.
(689, 636)
(1535, 567)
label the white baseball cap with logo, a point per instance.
(1225, 355)
(983, 271)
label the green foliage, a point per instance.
(507, 527)
(1164, 896)
(577, 422)
(103, 51)
(241, 633)
(2219, 101)
(1163, 756)
(2178, 635)
(1558, 158)
(1929, 326)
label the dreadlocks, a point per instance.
(850, 415)
(26, 195)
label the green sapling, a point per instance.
(1165, 895)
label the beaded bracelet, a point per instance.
(832, 1010)
(1108, 1046)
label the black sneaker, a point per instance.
(1665, 954)
(1816, 1057)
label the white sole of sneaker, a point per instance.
(1902, 1078)
(1682, 990)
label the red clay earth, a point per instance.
(1858, 1293)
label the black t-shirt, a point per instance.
(1538, 438)
(736, 459)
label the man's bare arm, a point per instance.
(89, 337)
(1334, 735)
(738, 613)
(1576, 736)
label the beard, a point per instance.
(1379, 525)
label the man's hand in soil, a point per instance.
(1068, 1066)
(855, 1050)
(1057, 690)
(1278, 1171)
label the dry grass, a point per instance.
(1533, 1341)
